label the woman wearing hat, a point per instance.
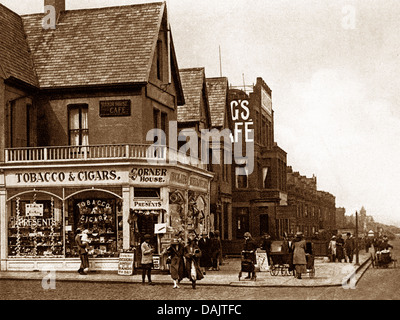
(299, 255)
(205, 247)
(147, 259)
(192, 255)
(175, 253)
(249, 250)
(332, 249)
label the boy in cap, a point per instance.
(147, 259)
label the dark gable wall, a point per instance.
(53, 118)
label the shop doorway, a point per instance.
(146, 225)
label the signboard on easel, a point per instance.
(262, 260)
(125, 264)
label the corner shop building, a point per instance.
(77, 103)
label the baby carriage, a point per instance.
(383, 259)
(281, 263)
(247, 264)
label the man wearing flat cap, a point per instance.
(83, 255)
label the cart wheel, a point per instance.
(284, 271)
(273, 271)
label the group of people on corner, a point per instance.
(187, 261)
(296, 248)
(375, 245)
(340, 249)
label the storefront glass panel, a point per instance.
(101, 216)
(35, 226)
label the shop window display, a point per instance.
(35, 227)
(102, 218)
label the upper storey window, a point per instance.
(78, 125)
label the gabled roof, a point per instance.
(15, 58)
(194, 85)
(218, 99)
(104, 46)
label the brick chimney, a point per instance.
(59, 5)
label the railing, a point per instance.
(99, 152)
(95, 152)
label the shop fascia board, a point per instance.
(110, 163)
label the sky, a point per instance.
(333, 67)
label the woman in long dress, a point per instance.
(177, 265)
(299, 255)
(332, 249)
(192, 255)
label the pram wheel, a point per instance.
(273, 270)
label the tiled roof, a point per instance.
(15, 58)
(217, 96)
(192, 83)
(113, 45)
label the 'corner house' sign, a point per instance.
(150, 175)
(115, 108)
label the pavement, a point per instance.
(326, 274)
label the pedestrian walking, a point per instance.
(266, 243)
(385, 245)
(147, 259)
(205, 248)
(192, 255)
(372, 245)
(82, 251)
(339, 247)
(249, 252)
(349, 246)
(220, 256)
(332, 249)
(215, 251)
(299, 255)
(175, 254)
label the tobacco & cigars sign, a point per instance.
(64, 177)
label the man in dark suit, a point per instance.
(83, 255)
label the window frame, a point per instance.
(81, 130)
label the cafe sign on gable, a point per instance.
(115, 108)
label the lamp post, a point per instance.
(357, 258)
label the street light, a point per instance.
(357, 258)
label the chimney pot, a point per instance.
(59, 5)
